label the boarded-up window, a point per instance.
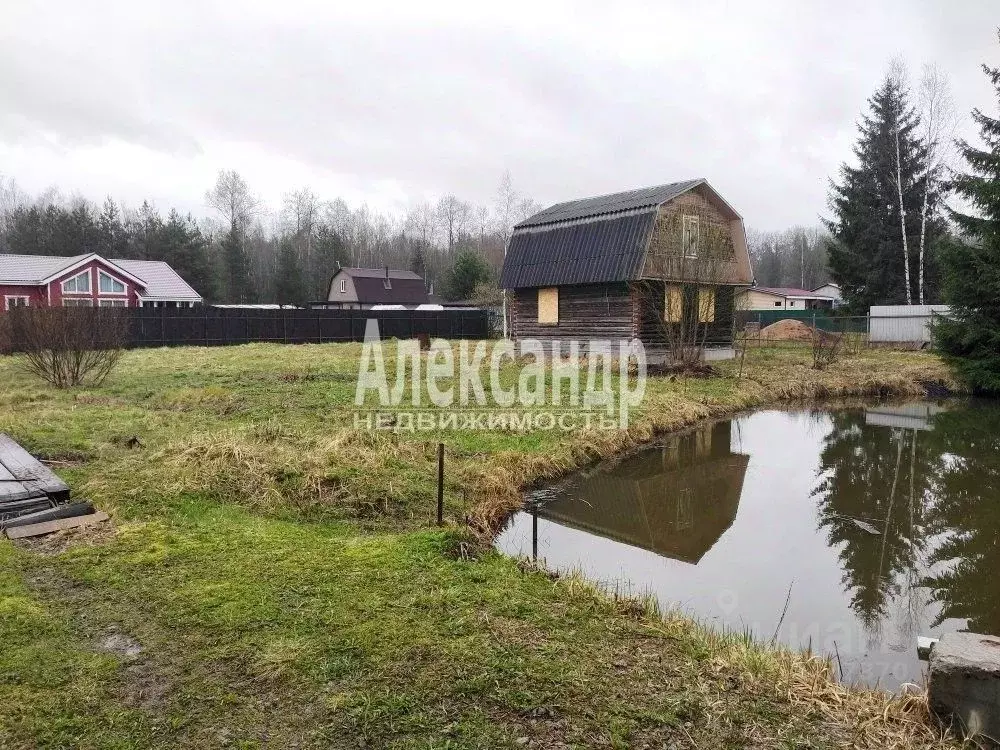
(706, 304)
(673, 303)
(548, 305)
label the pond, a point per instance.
(850, 531)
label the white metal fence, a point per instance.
(902, 323)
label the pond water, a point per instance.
(852, 531)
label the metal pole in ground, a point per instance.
(440, 484)
(534, 533)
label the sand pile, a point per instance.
(787, 330)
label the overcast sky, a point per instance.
(393, 103)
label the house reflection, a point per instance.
(676, 501)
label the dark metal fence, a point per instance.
(212, 326)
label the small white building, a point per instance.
(789, 298)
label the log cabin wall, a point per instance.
(650, 309)
(586, 311)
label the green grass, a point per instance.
(281, 574)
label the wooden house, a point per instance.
(380, 288)
(642, 264)
(91, 281)
(677, 501)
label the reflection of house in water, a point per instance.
(676, 501)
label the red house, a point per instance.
(91, 281)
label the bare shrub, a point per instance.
(68, 346)
(825, 348)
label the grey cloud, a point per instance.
(764, 104)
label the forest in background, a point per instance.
(243, 251)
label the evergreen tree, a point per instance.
(236, 267)
(866, 253)
(24, 237)
(469, 270)
(970, 338)
(183, 246)
(328, 251)
(113, 236)
(289, 286)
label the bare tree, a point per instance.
(690, 256)
(68, 346)
(232, 198)
(899, 76)
(527, 207)
(300, 215)
(506, 216)
(11, 199)
(939, 120)
(481, 216)
(422, 222)
(452, 217)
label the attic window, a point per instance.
(690, 239)
(109, 285)
(343, 286)
(79, 284)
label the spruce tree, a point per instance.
(183, 246)
(866, 254)
(236, 267)
(469, 270)
(289, 286)
(970, 337)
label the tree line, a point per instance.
(246, 252)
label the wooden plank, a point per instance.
(11, 489)
(17, 508)
(50, 527)
(30, 472)
(66, 510)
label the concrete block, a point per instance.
(965, 682)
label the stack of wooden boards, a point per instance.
(33, 500)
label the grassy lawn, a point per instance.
(274, 578)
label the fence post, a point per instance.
(440, 519)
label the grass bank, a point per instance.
(273, 580)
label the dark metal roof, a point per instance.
(380, 273)
(581, 252)
(609, 204)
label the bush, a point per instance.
(67, 346)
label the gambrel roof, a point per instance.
(593, 240)
(404, 288)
